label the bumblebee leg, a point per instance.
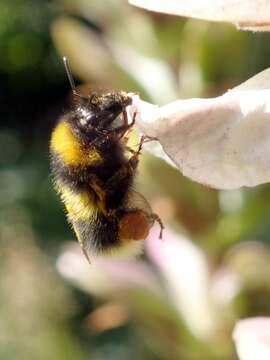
(100, 191)
(120, 131)
(156, 218)
(125, 118)
(149, 138)
(144, 139)
(133, 118)
(138, 151)
(116, 187)
(129, 149)
(134, 160)
(110, 194)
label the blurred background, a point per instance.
(182, 298)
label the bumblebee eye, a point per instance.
(84, 116)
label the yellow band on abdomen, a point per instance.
(79, 205)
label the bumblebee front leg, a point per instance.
(134, 160)
(125, 118)
(120, 131)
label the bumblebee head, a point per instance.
(96, 112)
(99, 112)
(111, 102)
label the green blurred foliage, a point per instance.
(111, 44)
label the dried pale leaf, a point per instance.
(253, 26)
(221, 142)
(260, 81)
(246, 14)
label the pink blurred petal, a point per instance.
(185, 270)
(105, 275)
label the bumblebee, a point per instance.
(93, 171)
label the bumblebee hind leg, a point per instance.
(156, 218)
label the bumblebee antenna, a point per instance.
(69, 75)
(71, 79)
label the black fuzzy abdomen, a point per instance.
(97, 235)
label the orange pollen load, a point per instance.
(134, 226)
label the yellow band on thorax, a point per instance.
(66, 145)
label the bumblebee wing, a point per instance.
(135, 200)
